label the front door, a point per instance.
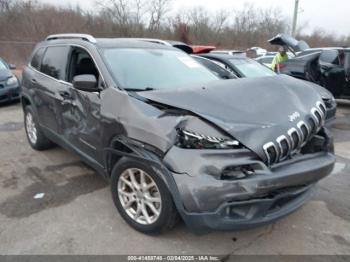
(80, 110)
(332, 71)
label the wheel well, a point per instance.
(25, 102)
(112, 159)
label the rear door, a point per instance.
(332, 71)
(49, 83)
(347, 72)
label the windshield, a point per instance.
(251, 68)
(155, 68)
(2, 65)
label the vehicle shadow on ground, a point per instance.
(58, 189)
(9, 103)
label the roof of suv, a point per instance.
(128, 43)
(104, 42)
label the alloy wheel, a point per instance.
(31, 128)
(139, 196)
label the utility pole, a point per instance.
(295, 17)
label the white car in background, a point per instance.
(258, 51)
(229, 52)
(265, 60)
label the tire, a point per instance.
(167, 214)
(35, 136)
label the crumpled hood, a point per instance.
(5, 74)
(253, 110)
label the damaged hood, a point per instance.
(254, 111)
(291, 42)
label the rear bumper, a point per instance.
(210, 203)
(9, 93)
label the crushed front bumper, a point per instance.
(238, 215)
(210, 202)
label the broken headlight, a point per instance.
(192, 140)
(12, 81)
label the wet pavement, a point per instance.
(76, 214)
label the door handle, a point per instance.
(65, 95)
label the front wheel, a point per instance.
(142, 198)
(35, 136)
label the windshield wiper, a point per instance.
(139, 89)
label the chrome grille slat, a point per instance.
(295, 144)
(300, 125)
(283, 155)
(322, 107)
(266, 148)
(323, 111)
(314, 116)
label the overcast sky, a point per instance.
(332, 16)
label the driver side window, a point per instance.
(81, 63)
(330, 57)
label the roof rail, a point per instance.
(85, 37)
(153, 40)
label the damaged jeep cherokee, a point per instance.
(173, 139)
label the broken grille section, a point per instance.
(296, 138)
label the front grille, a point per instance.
(297, 137)
(1, 86)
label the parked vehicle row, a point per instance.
(172, 137)
(228, 67)
(9, 83)
(328, 67)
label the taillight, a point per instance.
(280, 66)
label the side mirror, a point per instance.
(85, 83)
(12, 66)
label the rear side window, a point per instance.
(218, 70)
(329, 56)
(266, 60)
(36, 60)
(54, 62)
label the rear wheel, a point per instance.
(35, 136)
(142, 198)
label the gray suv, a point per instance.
(173, 140)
